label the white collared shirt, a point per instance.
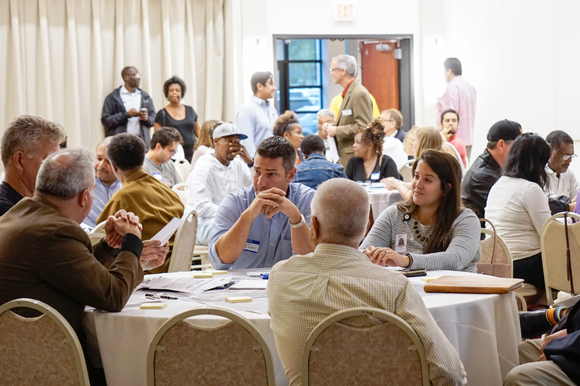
(132, 101)
(395, 149)
(565, 185)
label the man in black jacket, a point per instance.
(128, 109)
(486, 169)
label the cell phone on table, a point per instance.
(414, 272)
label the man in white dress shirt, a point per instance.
(215, 176)
(256, 117)
(563, 187)
(392, 120)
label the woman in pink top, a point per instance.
(449, 126)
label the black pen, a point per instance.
(160, 296)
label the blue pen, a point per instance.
(265, 276)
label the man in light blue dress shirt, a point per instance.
(269, 221)
(256, 117)
(106, 183)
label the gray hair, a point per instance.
(341, 207)
(346, 62)
(26, 133)
(325, 113)
(66, 173)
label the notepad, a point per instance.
(153, 306)
(202, 276)
(168, 230)
(238, 299)
(473, 284)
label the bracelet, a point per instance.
(410, 260)
(298, 224)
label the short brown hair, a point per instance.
(395, 116)
(26, 132)
(165, 136)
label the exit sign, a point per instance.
(344, 11)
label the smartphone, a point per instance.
(414, 272)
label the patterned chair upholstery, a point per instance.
(364, 346)
(184, 354)
(184, 244)
(42, 350)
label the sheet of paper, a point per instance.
(193, 286)
(168, 230)
(250, 285)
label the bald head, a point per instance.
(341, 207)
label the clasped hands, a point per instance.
(386, 256)
(272, 201)
(124, 222)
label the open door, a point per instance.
(380, 72)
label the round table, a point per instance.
(484, 329)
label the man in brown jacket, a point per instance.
(45, 254)
(356, 109)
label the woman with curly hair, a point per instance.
(288, 126)
(368, 162)
(179, 116)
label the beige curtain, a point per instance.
(60, 58)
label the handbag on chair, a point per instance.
(494, 267)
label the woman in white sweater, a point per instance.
(518, 206)
(431, 230)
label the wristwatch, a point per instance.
(298, 224)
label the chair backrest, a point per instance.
(182, 190)
(42, 350)
(501, 254)
(341, 354)
(406, 171)
(100, 228)
(184, 244)
(185, 354)
(183, 166)
(553, 242)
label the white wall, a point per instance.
(521, 56)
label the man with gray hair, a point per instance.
(45, 254)
(304, 290)
(27, 141)
(327, 116)
(356, 109)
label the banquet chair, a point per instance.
(183, 167)
(201, 254)
(41, 350)
(234, 353)
(554, 261)
(406, 171)
(502, 255)
(385, 350)
(184, 244)
(100, 228)
(182, 190)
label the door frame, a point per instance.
(406, 65)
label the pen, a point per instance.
(155, 296)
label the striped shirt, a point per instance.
(461, 254)
(304, 290)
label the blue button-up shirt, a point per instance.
(103, 194)
(256, 119)
(317, 169)
(269, 240)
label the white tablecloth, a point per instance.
(484, 329)
(381, 198)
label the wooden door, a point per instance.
(380, 73)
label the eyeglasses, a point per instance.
(334, 69)
(567, 157)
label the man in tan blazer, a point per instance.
(356, 109)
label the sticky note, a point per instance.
(217, 272)
(153, 306)
(428, 279)
(202, 276)
(238, 299)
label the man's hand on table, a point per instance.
(119, 225)
(154, 252)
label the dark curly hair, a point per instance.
(174, 80)
(285, 123)
(373, 135)
(126, 151)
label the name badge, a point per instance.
(401, 243)
(347, 112)
(158, 176)
(375, 176)
(252, 246)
